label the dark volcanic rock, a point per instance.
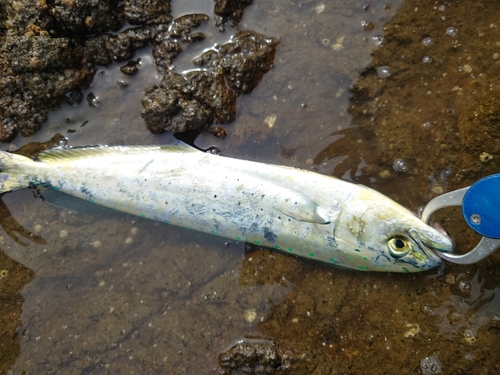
(256, 355)
(166, 45)
(182, 26)
(106, 48)
(24, 54)
(230, 10)
(197, 99)
(131, 68)
(243, 61)
(48, 55)
(147, 11)
(82, 17)
(51, 48)
(188, 101)
(37, 73)
(28, 17)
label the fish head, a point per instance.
(381, 235)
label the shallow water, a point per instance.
(112, 293)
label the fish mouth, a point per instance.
(432, 243)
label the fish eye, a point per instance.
(398, 246)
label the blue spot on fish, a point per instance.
(216, 224)
(269, 235)
(254, 227)
(86, 191)
(330, 241)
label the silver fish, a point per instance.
(287, 209)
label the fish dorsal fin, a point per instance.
(301, 209)
(179, 146)
(61, 154)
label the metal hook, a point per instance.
(455, 198)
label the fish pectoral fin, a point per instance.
(302, 210)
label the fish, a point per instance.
(287, 209)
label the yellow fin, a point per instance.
(61, 154)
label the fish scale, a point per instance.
(287, 209)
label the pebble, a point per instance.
(427, 41)
(484, 157)
(270, 120)
(383, 71)
(250, 315)
(452, 31)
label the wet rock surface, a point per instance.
(230, 10)
(254, 356)
(196, 99)
(36, 74)
(107, 48)
(139, 12)
(168, 39)
(131, 68)
(49, 51)
(243, 62)
(188, 101)
(52, 51)
(82, 17)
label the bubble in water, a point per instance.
(383, 71)
(464, 286)
(399, 165)
(213, 151)
(427, 59)
(427, 41)
(446, 172)
(378, 40)
(63, 143)
(452, 31)
(93, 100)
(430, 365)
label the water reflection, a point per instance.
(14, 230)
(13, 278)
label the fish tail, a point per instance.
(15, 171)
